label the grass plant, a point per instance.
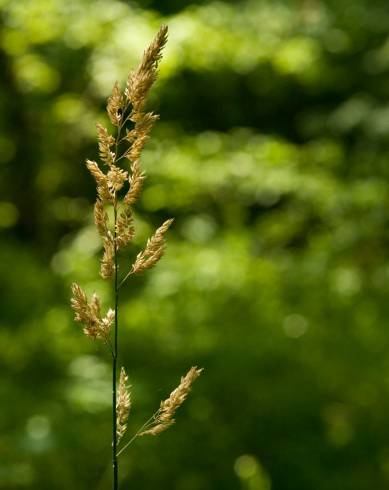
(119, 188)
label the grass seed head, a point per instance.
(165, 415)
(123, 404)
(88, 314)
(154, 250)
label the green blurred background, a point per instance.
(273, 154)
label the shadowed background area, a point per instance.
(272, 153)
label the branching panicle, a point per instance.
(120, 188)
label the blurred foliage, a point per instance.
(272, 153)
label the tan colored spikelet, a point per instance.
(154, 250)
(79, 303)
(95, 306)
(140, 134)
(101, 218)
(101, 181)
(123, 405)
(153, 54)
(106, 141)
(124, 227)
(107, 322)
(164, 418)
(88, 314)
(107, 267)
(136, 181)
(115, 105)
(116, 178)
(138, 85)
(140, 81)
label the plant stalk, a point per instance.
(115, 342)
(114, 363)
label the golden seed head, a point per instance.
(107, 321)
(107, 267)
(101, 179)
(106, 141)
(101, 218)
(140, 81)
(122, 109)
(140, 134)
(124, 227)
(136, 181)
(115, 105)
(116, 178)
(154, 250)
(88, 314)
(164, 417)
(123, 404)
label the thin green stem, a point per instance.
(114, 362)
(121, 157)
(146, 424)
(128, 443)
(114, 349)
(124, 279)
